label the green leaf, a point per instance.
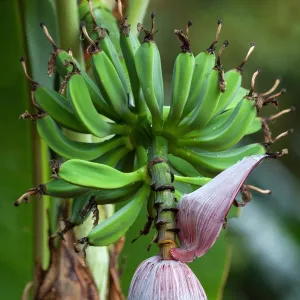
(16, 158)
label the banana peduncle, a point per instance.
(162, 185)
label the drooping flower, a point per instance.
(158, 279)
(202, 213)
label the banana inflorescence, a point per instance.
(174, 149)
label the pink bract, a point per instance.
(202, 213)
(158, 279)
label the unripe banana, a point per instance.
(233, 79)
(97, 11)
(182, 167)
(62, 189)
(81, 206)
(129, 44)
(182, 78)
(98, 176)
(212, 163)
(78, 94)
(255, 126)
(230, 133)
(241, 93)
(113, 228)
(211, 94)
(109, 81)
(113, 157)
(199, 181)
(63, 146)
(141, 157)
(148, 67)
(204, 63)
(125, 193)
(57, 63)
(48, 101)
(78, 212)
(214, 124)
(59, 108)
(107, 46)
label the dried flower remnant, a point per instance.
(160, 279)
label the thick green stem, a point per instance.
(136, 12)
(69, 34)
(162, 184)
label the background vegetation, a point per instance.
(266, 256)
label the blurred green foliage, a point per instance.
(266, 260)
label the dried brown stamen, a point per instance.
(240, 67)
(212, 48)
(219, 67)
(261, 191)
(272, 89)
(52, 60)
(32, 117)
(184, 38)
(149, 34)
(31, 192)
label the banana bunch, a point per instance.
(121, 106)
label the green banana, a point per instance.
(58, 62)
(63, 146)
(230, 133)
(204, 63)
(255, 126)
(182, 78)
(166, 111)
(205, 108)
(182, 166)
(62, 189)
(110, 83)
(113, 228)
(113, 157)
(107, 46)
(141, 157)
(116, 195)
(81, 208)
(233, 80)
(59, 108)
(99, 176)
(78, 94)
(214, 124)
(78, 212)
(148, 67)
(200, 181)
(53, 103)
(241, 93)
(102, 15)
(129, 44)
(212, 163)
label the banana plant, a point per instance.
(116, 140)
